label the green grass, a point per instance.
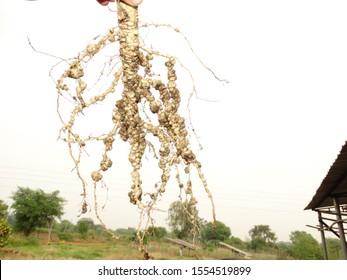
(20, 248)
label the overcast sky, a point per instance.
(269, 136)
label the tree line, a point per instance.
(34, 210)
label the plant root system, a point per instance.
(147, 106)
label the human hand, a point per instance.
(134, 3)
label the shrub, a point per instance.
(24, 241)
(65, 236)
(5, 232)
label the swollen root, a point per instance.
(147, 108)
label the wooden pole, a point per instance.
(341, 229)
(322, 234)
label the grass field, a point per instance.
(32, 248)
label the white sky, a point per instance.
(268, 141)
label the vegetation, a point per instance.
(5, 232)
(83, 227)
(237, 242)
(64, 226)
(157, 233)
(334, 249)
(183, 220)
(305, 247)
(262, 237)
(35, 208)
(5, 229)
(215, 232)
(3, 209)
(87, 240)
(126, 232)
(69, 242)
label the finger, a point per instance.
(103, 2)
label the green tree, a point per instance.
(179, 219)
(35, 208)
(157, 232)
(100, 232)
(65, 230)
(126, 232)
(284, 246)
(64, 226)
(152, 233)
(262, 237)
(215, 232)
(3, 209)
(84, 226)
(305, 247)
(334, 249)
(237, 242)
